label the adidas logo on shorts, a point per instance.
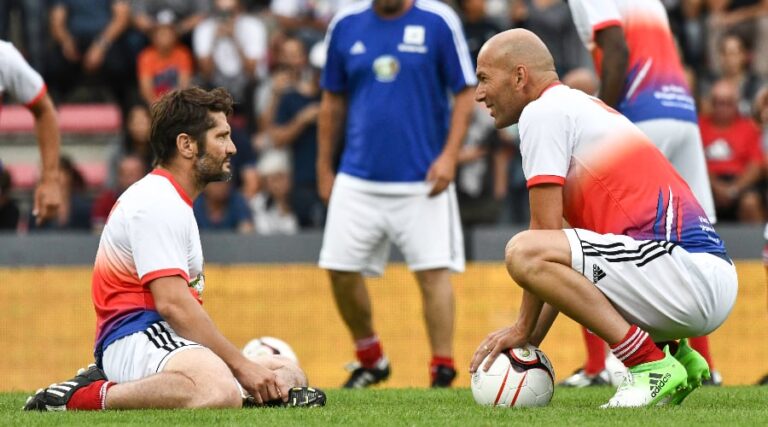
(597, 273)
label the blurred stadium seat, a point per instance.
(73, 118)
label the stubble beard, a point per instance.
(208, 169)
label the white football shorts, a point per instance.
(680, 142)
(361, 224)
(657, 285)
(143, 353)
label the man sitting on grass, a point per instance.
(155, 345)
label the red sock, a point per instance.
(92, 397)
(636, 347)
(369, 351)
(595, 353)
(701, 344)
(439, 361)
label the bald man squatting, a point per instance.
(642, 266)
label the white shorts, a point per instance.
(680, 142)
(361, 224)
(657, 285)
(143, 353)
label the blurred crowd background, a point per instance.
(119, 56)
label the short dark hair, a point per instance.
(184, 111)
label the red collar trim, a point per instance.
(551, 85)
(167, 175)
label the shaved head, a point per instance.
(513, 68)
(518, 46)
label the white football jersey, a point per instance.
(150, 233)
(17, 77)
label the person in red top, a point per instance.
(734, 156)
(130, 169)
(165, 64)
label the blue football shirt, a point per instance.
(397, 75)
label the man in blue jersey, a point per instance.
(390, 65)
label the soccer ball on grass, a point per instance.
(267, 346)
(519, 378)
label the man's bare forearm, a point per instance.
(463, 106)
(330, 123)
(48, 137)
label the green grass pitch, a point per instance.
(731, 406)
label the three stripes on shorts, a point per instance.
(618, 252)
(159, 335)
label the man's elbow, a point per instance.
(42, 107)
(170, 310)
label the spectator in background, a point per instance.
(250, 182)
(133, 141)
(760, 115)
(231, 49)
(480, 157)
(749, 19)
(291, 69)
(551, 21)
(272, 213)
(688, 21)
(478, 27)
(131, 168)
(165, 64)
(308, 19)
(220, 209)
(21, 82)
(9, 211)
(75, 210)
(88, 40)
(515, 206)
(295, 130)
(187, 15)
(734, 157)
(33, 22)
(734, 67)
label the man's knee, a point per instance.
(435, 281)
(210, 383)
(343, 279)
(530, 251)
(520, 255)
(216, 393)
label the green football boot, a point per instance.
(650, 383)
(696, 367)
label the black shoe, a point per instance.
(56, 396)
(365, 377)
(763, 381)
(444, 376)
(580, 379)
(715, 379)
(298, 397)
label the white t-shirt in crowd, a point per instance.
(249, 33)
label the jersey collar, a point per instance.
(167, 175)
(551, 85)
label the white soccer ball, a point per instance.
(519, 378)
(268, 346)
